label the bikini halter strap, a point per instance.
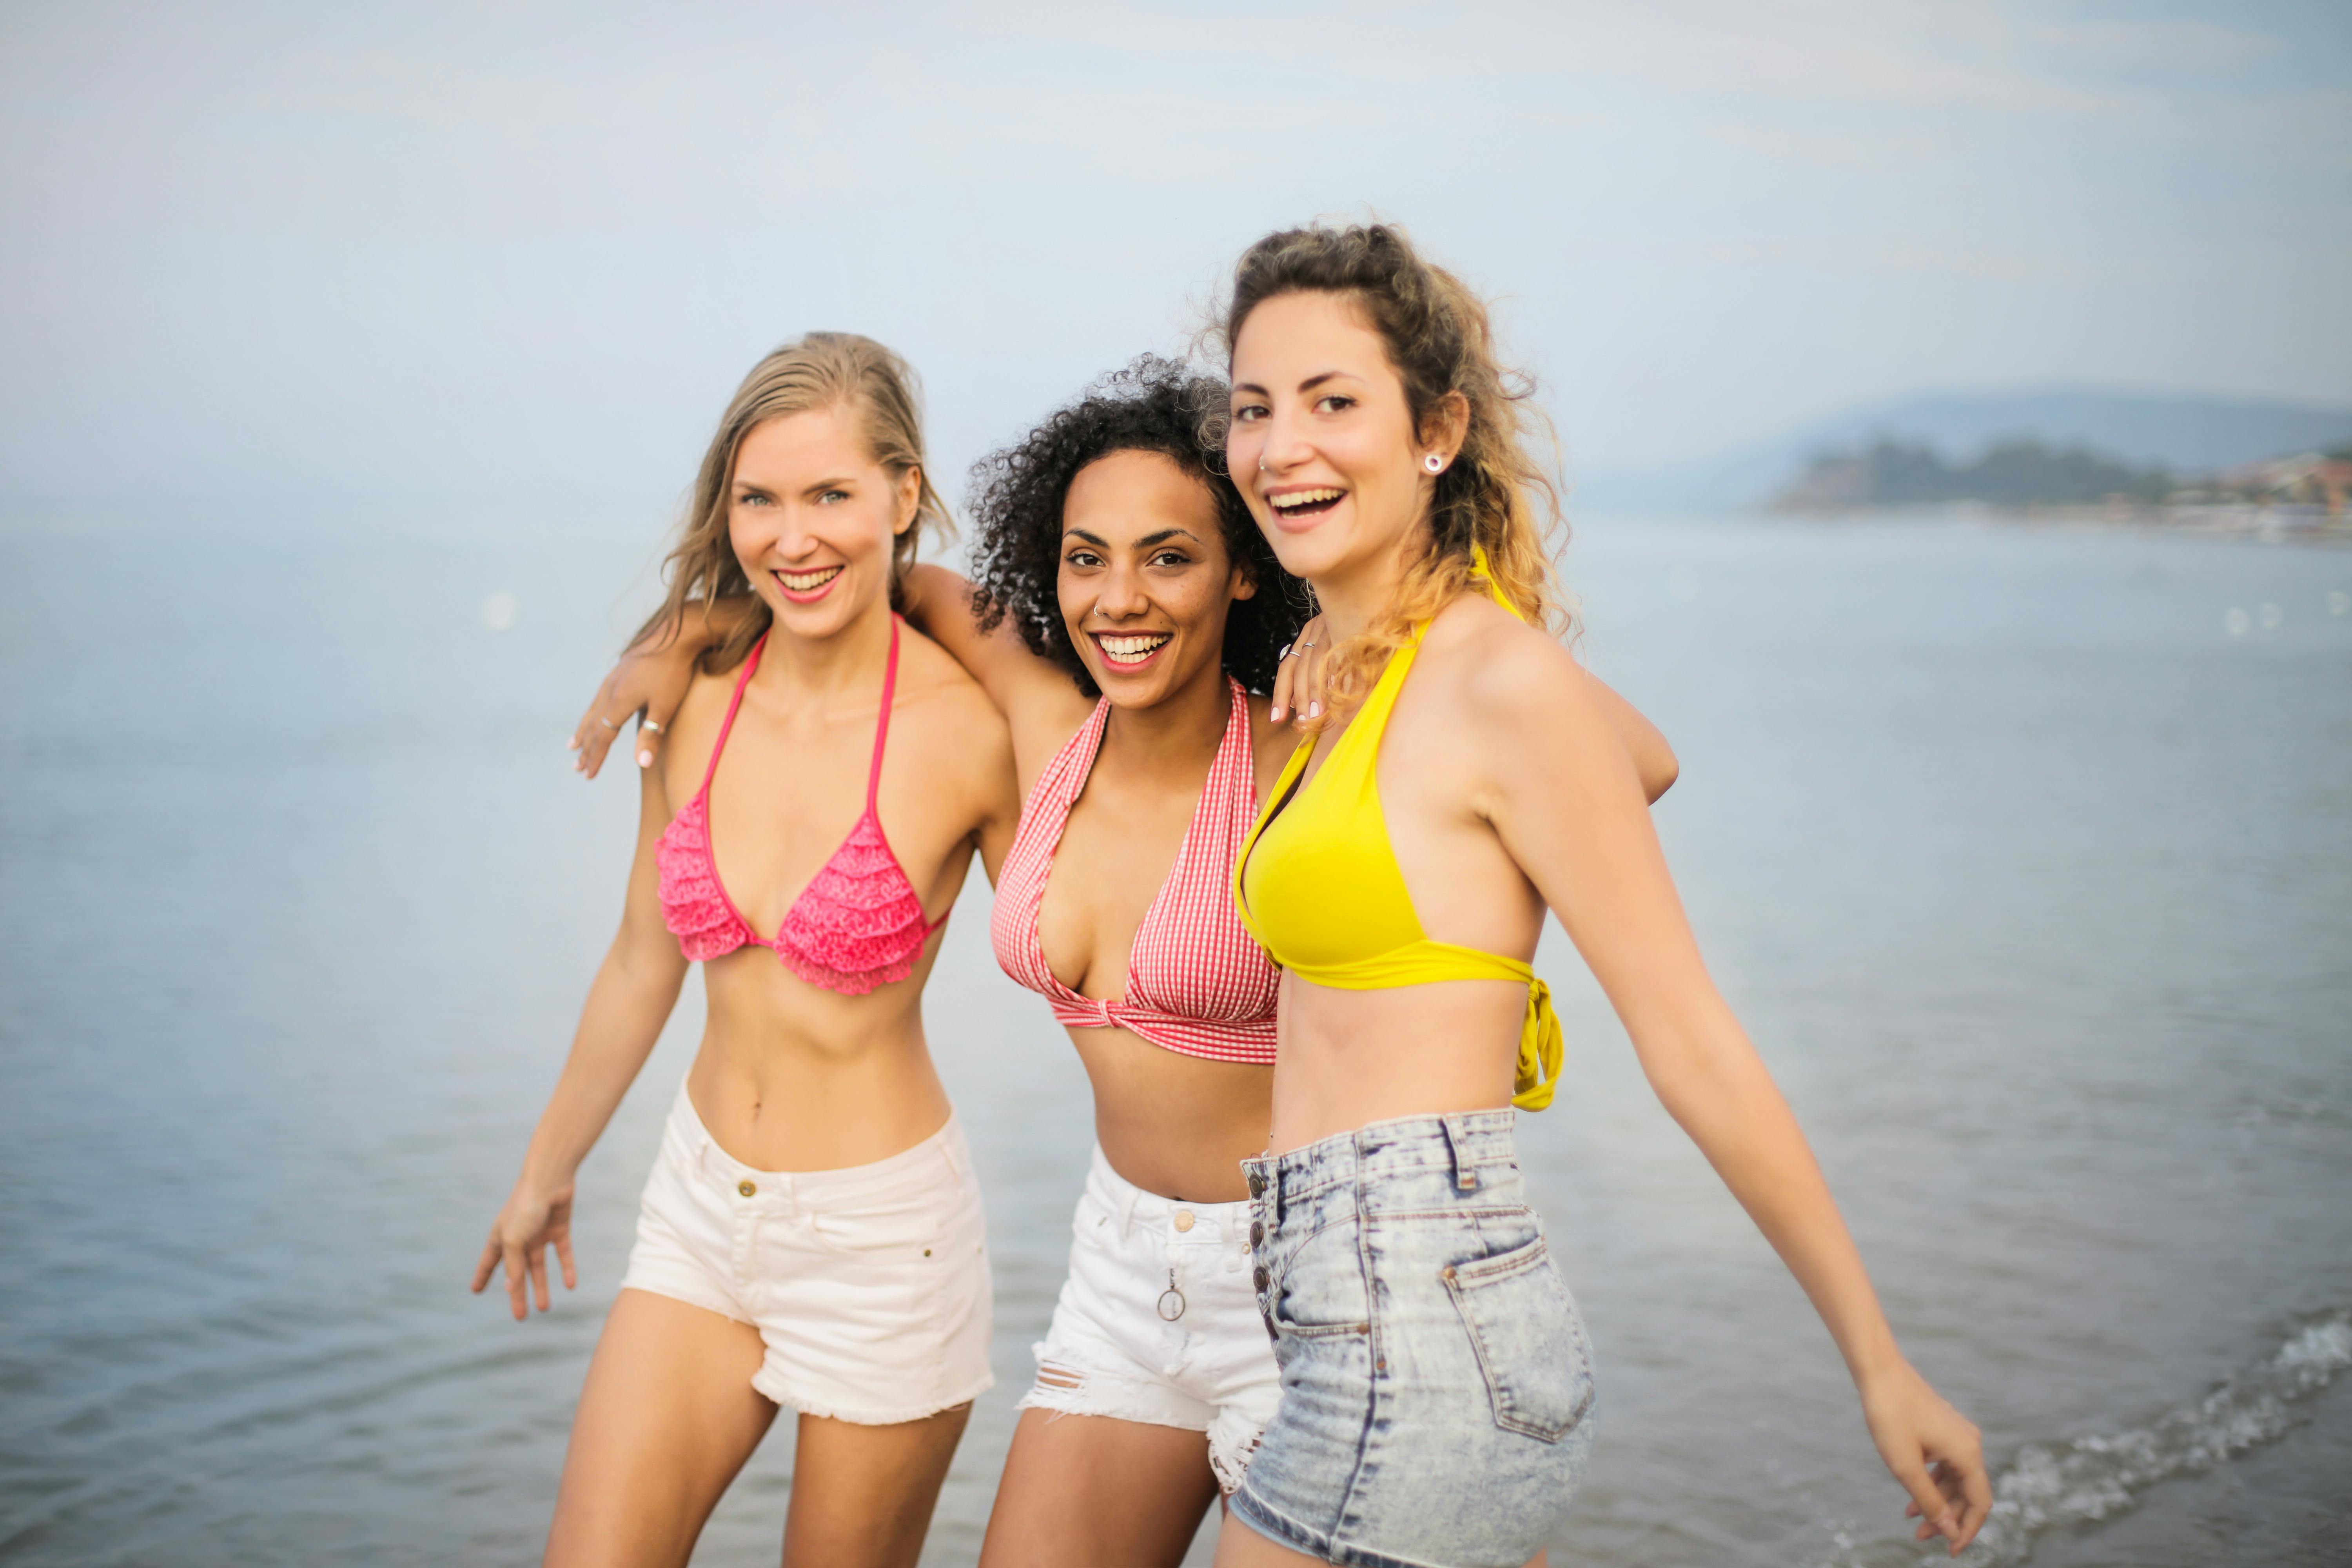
(882, 726)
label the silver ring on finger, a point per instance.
(606, 722)
(650, 728)
(1286, 651)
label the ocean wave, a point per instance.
(2091, 1478)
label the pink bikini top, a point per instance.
(1197, 982)
(855, 926)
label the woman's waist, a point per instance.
(1174, 1124)
(779, 1105)
(1412, 1165)
(1350, 1058)
(1429, 1025)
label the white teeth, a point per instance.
(801, 581)
(1306, 498)
(1132, 647)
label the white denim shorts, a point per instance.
(868, 1284)
(1159, 1322)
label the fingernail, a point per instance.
(1315, 710)
(645, 759)
(1276, 715)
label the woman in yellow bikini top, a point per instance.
(1436, 1376)
(1319, 886)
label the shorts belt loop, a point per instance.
(1465, 1176)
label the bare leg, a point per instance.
(862, 1496)
(1089, 1491)
(1239, 1546)
(668, 1415)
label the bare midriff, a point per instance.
(1348, 1059)
(1176, 1125)
(791, 1076)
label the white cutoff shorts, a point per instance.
(1112, 1349)
(869, 1285)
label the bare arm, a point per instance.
(651, 680)
(938, 604)
(652, 677)
(1566, 801)
(1653, 759)
(634, 989)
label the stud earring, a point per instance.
(1434, 463)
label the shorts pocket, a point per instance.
(1321, 1287)
(1530, 1341)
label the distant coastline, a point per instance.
(2052, 452)
(2022, 479)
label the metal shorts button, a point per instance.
(1259, 1276)
(1256, 1184)
(746, 1188)
(1257, 1233)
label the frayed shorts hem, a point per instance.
(775, 1390)
(1087, 1402)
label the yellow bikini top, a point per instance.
(1318, 885)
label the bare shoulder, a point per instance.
(693, 732)
(950, 703)
(1502, 676)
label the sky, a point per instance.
(346, 257)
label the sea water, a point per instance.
(2024, 856)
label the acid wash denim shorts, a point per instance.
(1436, 1380)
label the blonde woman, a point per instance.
(811, 1233)
(1437, 1385)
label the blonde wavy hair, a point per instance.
(1495, 497)
(821, 370)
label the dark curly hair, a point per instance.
(1154, 405)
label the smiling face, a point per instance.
(1145, 580)
(812, 517)
(1322, 440)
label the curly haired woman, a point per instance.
(1127, 607)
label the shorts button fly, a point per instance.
(746, 1188)
(1184, 1219)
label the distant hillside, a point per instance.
(2008, 473)
(2182, 435)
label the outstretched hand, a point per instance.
(1298, 679)
(530, 1223)
(1935, 1452)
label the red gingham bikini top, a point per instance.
(1197, 982)
(859, 923)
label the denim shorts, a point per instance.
(1436, 1380)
